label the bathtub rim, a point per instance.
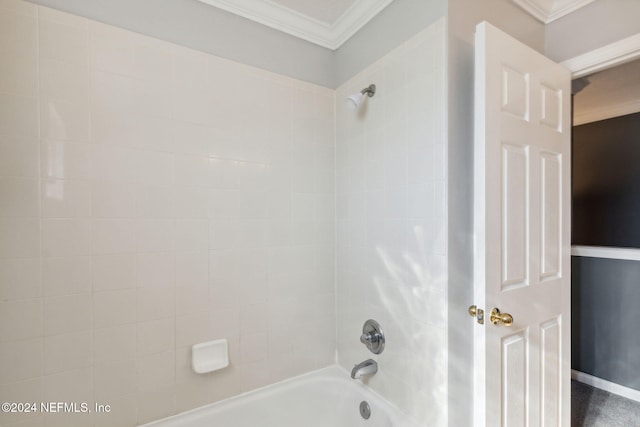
(331, 372)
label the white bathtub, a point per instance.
(323, 398)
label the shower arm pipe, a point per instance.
(369, 90)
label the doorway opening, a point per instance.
(606, 247)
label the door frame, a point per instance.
(600, 59)
(604, 57)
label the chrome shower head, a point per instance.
(353, 101)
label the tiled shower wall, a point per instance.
(392, 224)
(153, 197)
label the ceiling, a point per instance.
(327, 11)
(328, 23)
(609, 93)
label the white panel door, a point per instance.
(522, 227)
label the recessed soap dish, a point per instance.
(210, 356)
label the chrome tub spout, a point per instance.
(364, 369)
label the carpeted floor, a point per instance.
(592, 407)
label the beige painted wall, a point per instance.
(595, 25)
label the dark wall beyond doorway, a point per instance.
(606, 183)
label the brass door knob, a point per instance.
(498, 318)
(473, 310)
(478, 313)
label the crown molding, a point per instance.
(549, 10)
(299, 25)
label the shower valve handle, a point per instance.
(372, 336)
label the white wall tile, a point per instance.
(155, 270)
(194, 139)
(111, 49)
(114, 164)
(112, 127)
(131, 159)
(390, 245)
(66, 275)
(19, 157)
(19, 198)
(67, 351)
(156, 371)
(19, 6)
(155, 303)
(20, 320)
(66, 314)
(111, 272)
(154, 168)
(155, 235)
(251, 233)
(111, 91)
(64, 121)
(193, 328)
(152, 97)
(154, 405)
(152, 133)
(66, 237)
(21, 78)
(64, 81)
(112, 236)
(18, 115)
(192, 299)
(112, 308)
(112, 380)
(192, 235)
(192, 269)
(192, 202)
(65, 160)
(192, 170)
(154, 201)
(66, 199)
(18, 30)
(223, 234)
(21, 360)
(224, 204)
(114, 344)
(252, 176)
(191, 395)
(223, 174)
(113, 200)
(62, 36)
(253, 347)
(156, 336)
(20, 278)
(223, 268)
(69, 386)
(153, 58)
(189, 97)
